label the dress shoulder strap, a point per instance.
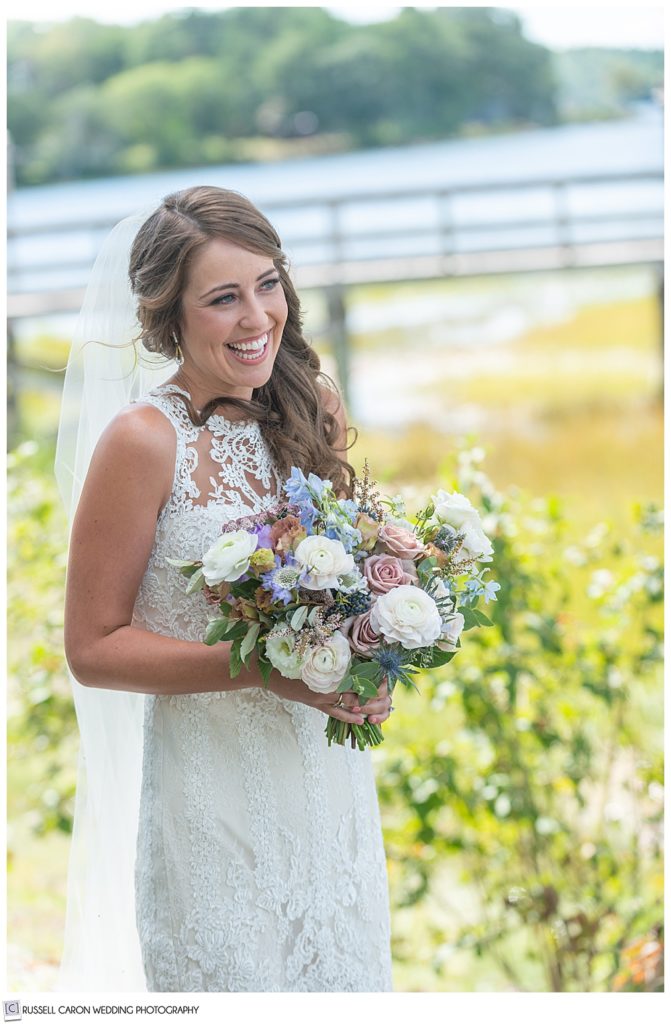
(166, 399)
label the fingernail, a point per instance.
(374, 720)
(360, 720)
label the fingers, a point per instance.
(344, 712)
(377, 710)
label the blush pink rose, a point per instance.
(399, 541)
(361, 635)
(385, 572)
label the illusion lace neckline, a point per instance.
(222, 421)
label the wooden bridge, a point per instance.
(421, 234)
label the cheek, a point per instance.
(281, 310)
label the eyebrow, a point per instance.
(221, 287)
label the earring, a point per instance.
(178, 349)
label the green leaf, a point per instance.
(237, 630)
(265, 668)
(470, 618)
(365, 688)
(216, 631)
(250, 640)
(186, 568)
(197, 582)
(299, 617)
(441, 658)
(235, 661)
(368, 670)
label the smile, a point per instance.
(251, 351)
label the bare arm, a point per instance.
(128, 483)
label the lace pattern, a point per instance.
(260, 864)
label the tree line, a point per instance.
(204, 87)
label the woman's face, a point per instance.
(233, 314)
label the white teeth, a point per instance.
(251, 346)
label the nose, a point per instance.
(254, 316)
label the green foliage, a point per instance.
(41, 721)
(540, 767)
(197, 87)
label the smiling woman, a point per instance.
(259, 861)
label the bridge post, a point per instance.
(659, 271)
(337, 314)
(13, 423)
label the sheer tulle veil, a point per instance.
(106, 370)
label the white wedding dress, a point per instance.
(260, 865)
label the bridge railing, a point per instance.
(378, 236)
(339, 238)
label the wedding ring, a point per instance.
(391, 708)
(339, 703)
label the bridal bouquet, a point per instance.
(345, 593)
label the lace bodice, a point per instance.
(260, 864)
(222, 471)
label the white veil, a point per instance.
(105, 371)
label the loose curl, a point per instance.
(292, 408)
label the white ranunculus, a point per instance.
(282, 655)
(326, 666)
(228, 559)
(325, 560)
(407, 615)
(455, 510)
(451, 632)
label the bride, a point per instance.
(220, 845)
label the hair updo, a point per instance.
(293, 407)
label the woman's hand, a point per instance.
(376, 710)
(379, 708)
(294, 689)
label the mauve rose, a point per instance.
(384, 572)
(361, 635)
(400, 542)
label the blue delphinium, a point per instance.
(302, 489)
(283, 579)
(337, 528)
(349, 507)
(304, 492)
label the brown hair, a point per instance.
(291, 407)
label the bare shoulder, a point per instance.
(140, 429)
(136, 452)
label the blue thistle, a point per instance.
(390, 660)
(446, 539)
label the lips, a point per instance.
(251, 350)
